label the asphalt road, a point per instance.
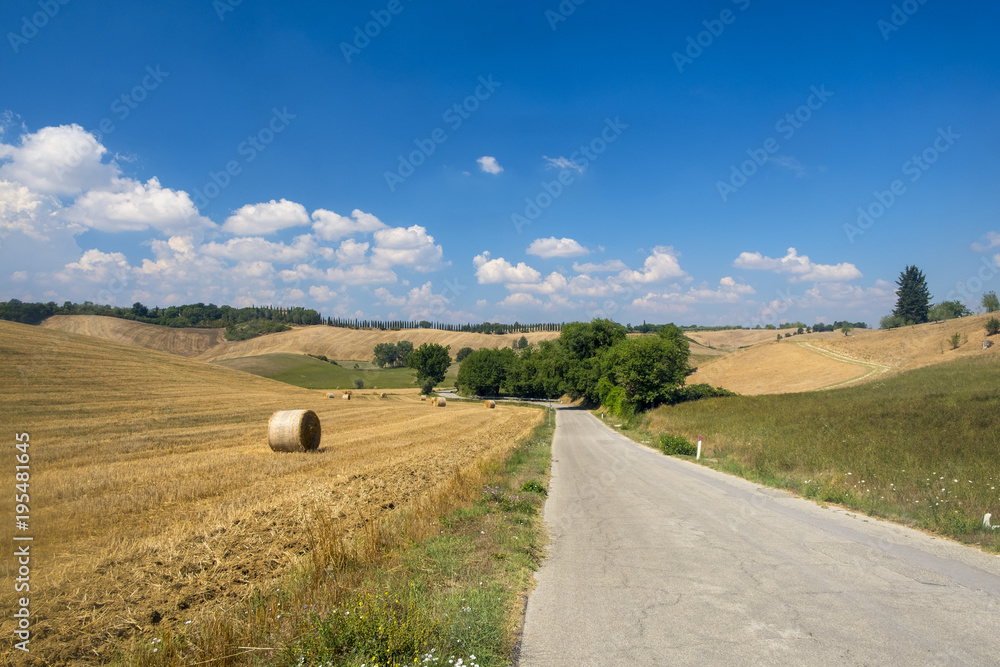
(656, 561)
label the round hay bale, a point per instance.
(329, 395)
(490, 404)
(434, 401)
(294, 431)
(423, 398)
(382, 395)
(346, 397)
(441, 401)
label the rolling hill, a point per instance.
(745, 361)
(825, 360)
(333, 342)
(185, 342)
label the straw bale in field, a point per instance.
(490, 404)
(294, 431)
(382, 395)
(441, 401)
(346, 396)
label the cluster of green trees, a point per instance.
(393, 354)
(431, 361)
(913, 303)
(485, 327)
(596, 361)
(243, 322)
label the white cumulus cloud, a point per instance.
(562, 163)
(496, 271)
(251, 248)
(489, 164)
(135, 206)
(331, 226)
(801, 268)
(662, 264)
(63, 160)
(411, 247)
(988, 241)
(553, 247)
(352, 252)
(266, 218)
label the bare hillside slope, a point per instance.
(334, 342)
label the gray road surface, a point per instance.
(656, 561)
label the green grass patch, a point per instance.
(304, 371)
(922, 447)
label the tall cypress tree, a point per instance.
(913, 302)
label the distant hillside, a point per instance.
(733, 339)
(185, 342)
(917, 346)
(333, 342)
(817, 361)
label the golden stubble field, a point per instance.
(334, 342)
(156, 502)
(817, 361)
(917, 346)
(777, 368)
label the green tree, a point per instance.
(585, 344)
(891, 322)
(913, 297)
(537, 372)
(431, 362)
(847, 329)
(948, 310)
(992, 326)
(462, 354)
(485, 371)
(522, 343)
(385, 355)
(404, 349)
(990, 302)
(647, 368)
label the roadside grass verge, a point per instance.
(921, 448)
(443, 582)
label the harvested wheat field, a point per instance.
(156, 503)
(780, 368)
(730, 340)
(917, 346)
(185, 342)
(333, 342)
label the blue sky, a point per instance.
(737, 161)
